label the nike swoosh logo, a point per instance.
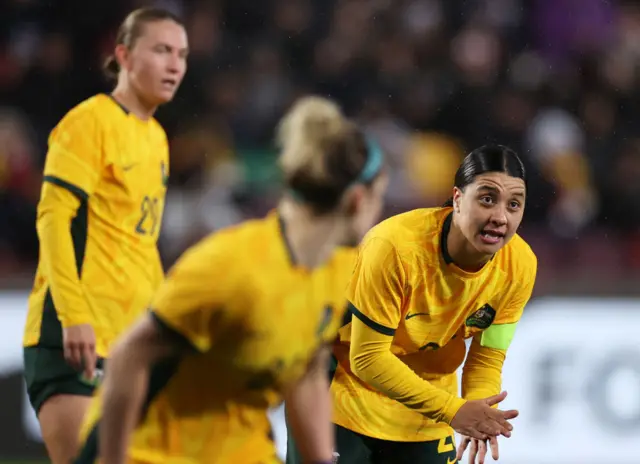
(409, 316)
(449, 461)
(129, 167)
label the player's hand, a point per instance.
(79, 343)
(477, 419)
(478, 449)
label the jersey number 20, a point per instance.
(150, 216)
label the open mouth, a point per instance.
(491, 237)
(169, 83)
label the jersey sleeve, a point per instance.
(75, 157)
(190, 305)
(60, 256)
(500, 334)
(375, 289)
(482, 372)
(72, 169)
(373, 362)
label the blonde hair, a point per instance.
(322, 152)
(304, 132)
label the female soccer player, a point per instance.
(425, 281)
(244, 316)
(99, 216)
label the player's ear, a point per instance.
(457, 197)
(353, 200)
(121, 54)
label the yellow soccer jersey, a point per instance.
(105, 177)
(406, 290)
(255, 320)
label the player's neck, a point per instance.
(312, 239)
(125, 95)
(461, 252)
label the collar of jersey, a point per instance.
(287, 245)
(446, 227)
(122, 107)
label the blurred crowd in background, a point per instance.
(556, 80)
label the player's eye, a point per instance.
(514, 204)
(486, 200)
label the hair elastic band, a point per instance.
(373, 165)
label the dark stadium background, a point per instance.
(557, 80)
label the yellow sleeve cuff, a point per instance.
(452, 408)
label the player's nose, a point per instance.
(175, 65)
(499, 217)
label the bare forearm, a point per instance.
(124, 389)
(308, 407)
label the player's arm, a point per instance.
(72, 170)
(308, 408)
(184, 319)
(126, 383)
(482, 371)
(375, 293)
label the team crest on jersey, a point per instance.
(326, 319)
(164, 173)
(482, 318)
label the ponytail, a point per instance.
(111, 68)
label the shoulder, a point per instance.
(412, 225)
(86, 116)
(241, 246)
(229, 240)
(519, 260)
(99, 106)
(212, 258)
(412, 234)
(248, 235)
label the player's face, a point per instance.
(368, 208)
(158, 61)
(490, 210)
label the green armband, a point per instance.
(498, 336)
